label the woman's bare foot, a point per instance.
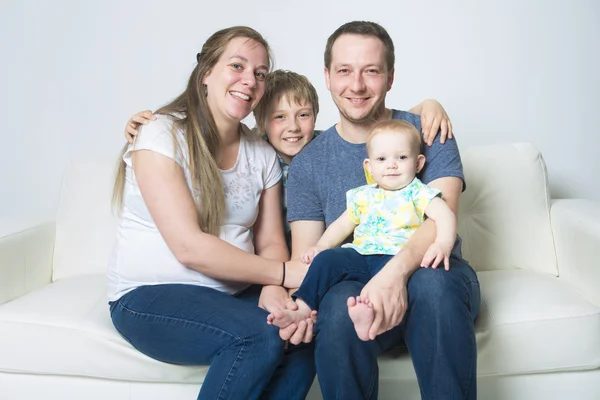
(285, 318)
(362, 315)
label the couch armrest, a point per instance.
(26, 261)
(576, 228)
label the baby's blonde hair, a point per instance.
(400, 127)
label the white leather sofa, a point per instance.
(538, 331)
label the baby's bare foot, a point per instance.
(362, 315)
(285, 318)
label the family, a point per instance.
(201, 272)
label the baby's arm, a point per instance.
(445, 222)
(335, 234)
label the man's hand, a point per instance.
(388, 294)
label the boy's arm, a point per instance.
(433, 119)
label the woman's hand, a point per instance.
(295, 271)
(302, 332)
(141, 118)
(433, 119)
(275, 298)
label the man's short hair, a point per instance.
(365, 28)
(296, 87)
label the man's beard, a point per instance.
(372, 116)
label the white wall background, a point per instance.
(72, 72)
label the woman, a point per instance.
(188, 191)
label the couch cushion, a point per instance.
(85, 225)
(505, 212)
(65, 329)
(529, 322)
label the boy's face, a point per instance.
(290, 126)
(391, 161)
(358, 78)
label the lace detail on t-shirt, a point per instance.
(239, 186)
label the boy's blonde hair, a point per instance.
(398, 126)
(280, 83)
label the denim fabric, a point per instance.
(437, 329)
(195, 325)
(336, 265)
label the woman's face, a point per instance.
(290, 126)
(237, 81)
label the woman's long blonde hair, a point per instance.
(191, 114)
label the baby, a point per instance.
(383, 216)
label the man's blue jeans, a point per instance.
(437, 329)
(195, 325)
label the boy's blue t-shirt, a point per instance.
(329, 166)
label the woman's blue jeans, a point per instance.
(195, 325)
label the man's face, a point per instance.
(358, 78)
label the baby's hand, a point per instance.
(308, 256)
(435, 254)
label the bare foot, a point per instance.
(362, 315)
(285, 318)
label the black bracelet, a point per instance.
(283, 279)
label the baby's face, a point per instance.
(290, 127)
(391, 161)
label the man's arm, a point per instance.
(304, 235)
(387, 290)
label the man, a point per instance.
(431, 310)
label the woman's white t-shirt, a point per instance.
(141, 256)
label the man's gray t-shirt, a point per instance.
(329, 166)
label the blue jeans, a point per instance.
(195, 325)
(333, 266)
(437, 329)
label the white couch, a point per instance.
(538, 331)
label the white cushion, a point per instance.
(524, 320)
(85, 225)
(65, 329)
(504, 217)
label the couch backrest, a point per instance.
(85, 225)
(504, 213)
